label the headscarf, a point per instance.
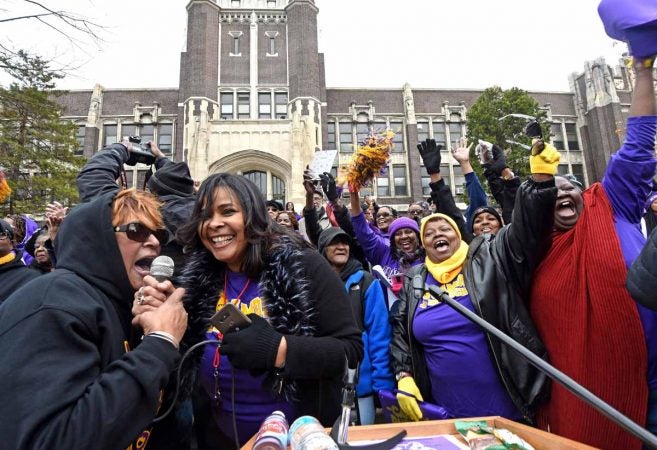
(447, 270)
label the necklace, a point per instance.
(223, 297)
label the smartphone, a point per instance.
(229, 318)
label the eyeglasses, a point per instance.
(415, 212)
(139, 232)
(382, 215)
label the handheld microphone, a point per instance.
(162, 268)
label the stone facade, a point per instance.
(253, 100)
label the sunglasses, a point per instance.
(139, 232)
(415, 212)
(382, 215)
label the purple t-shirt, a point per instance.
(463, 377)
(628, 183)
(252, 403)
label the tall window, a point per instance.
(399, 176)
(439, 133)
(330, 134)
(146, 133)
(398, 138)
(243, 105)
(422, 131)
(264, 105)
(459, 180)
(571, 136)
(557, 136)
(226, 102)
(259, 178)
(280, 105)
(109, 135)
(278, 188)
(578, 171)
(383, 186)
(426, 179)
(127, 130)
(379, 127)
(362, 131)
(272, 45)
(444, 173)
(79, 136)
(165, 138)
(455, 133)
(346, 138)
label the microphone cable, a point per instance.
(177, 390)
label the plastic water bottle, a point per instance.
(272, 434)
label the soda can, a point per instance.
(272, 434)
(306, 433)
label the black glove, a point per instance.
(328, 186)
(498, 164)
(254, 347)
(430, 153)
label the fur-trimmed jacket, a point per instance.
(304, 300)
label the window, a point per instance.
(439, 133)
(557, 136)
(280, 104)
(571, 136)
(146, 133)
(165, 138)
(278, 189)
(444, 173)
(362, 131)
(399, 176)
(398, 138)
(264, 105)
(578, 171)
(383, 186)
(346, 139)
(226, 100)
(243, 105)
(459, 181)
(422, 131)
(235, 3)
(271, 3)
(330, 135)
(109, 134)
(272, 46)
(259, 178)
(562, 169)
(455, 133)
(236, 45)
(426, 179)
(128, 130)
(79, 136)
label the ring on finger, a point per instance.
(140, 296)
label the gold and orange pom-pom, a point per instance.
(5, 190)
(368, 161)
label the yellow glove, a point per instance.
(544, 159)
(407, 403)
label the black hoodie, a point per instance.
(66, 379)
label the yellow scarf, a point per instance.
(447, 270)
(7, 258)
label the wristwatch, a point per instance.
(402, 374)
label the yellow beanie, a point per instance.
(435, 216)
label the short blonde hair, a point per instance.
(142, 205)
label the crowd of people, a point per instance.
(94, 341)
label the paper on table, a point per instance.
(439, 442)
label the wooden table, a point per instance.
(541, 440)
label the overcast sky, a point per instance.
(366, 43)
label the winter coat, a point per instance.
(13, 275)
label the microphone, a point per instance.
(162, 268)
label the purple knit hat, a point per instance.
(403, 222)
(651, 198)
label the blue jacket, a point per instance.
(375, 372)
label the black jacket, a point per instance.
(306, 301)
(441, 196)
(642, 276)
(99, 176)
(69, 381)
(13, 275)
(498, 272)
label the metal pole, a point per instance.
(573, 386)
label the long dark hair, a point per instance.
(262, 233)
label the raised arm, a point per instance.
(628, 178)
(476, 193)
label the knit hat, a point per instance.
(651, 198)
(5, 229)
(435, 216)
(483, 209)
(402, 222)
(172, 179)
(275, 204)
(328, 235)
